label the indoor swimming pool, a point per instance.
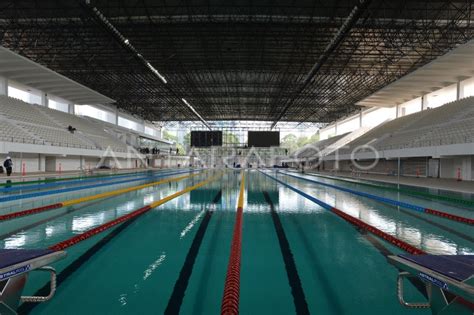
(298, 255)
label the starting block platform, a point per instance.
(15, 265)
(449, 281)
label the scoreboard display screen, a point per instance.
(206, 138)
(263, 138)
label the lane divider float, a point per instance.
(357, 222)
(231, 296)
(392, 202)
(71, 182)
(400, 190)
(88, 234)
(47, 180)
(70, 189)
(71, 202)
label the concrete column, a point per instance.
(423, 102)
(335, 128)
(361, 115)
(116, 115)
(3, 86)
(41, 163)
(71, 109)
(459, 91)
(44, 99)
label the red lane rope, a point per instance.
(81, 237)
(450, 216)
(389, 238)
(18, 214)
(230, 300)
(231, 297)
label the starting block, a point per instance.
(15, 265)
(449, 281)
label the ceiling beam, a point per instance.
(345, 28)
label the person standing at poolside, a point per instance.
(8, 164)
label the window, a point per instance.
(94, 112)
(19, 94)
(58, 106)
(127, 123)
(378, 116)
(152, 131)
(467, 88)
(410, 107)
(441, 97)
(24, 94)
(348, 125)
(327, 133)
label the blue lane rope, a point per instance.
(63, 190)
(62, 183)
(317, 201)
(370, 196)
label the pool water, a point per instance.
(296, 256)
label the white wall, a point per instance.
(449, 167)
(31, 162)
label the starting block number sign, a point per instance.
(433, 280)
(14, 272)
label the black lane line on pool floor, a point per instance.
(378, 245)
(35, 224)
(427, 220)
(299, 298)
(26, 308)
(180, 286)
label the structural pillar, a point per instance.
(70, 109)
(423, 102)
(44, 99)
(116, 116)
(335, 128)
(360, 118)
(397, 108)
(3, 86)
(459, 91)
(41, 163)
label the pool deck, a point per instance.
(439, 183)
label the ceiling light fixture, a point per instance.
(196, 113)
